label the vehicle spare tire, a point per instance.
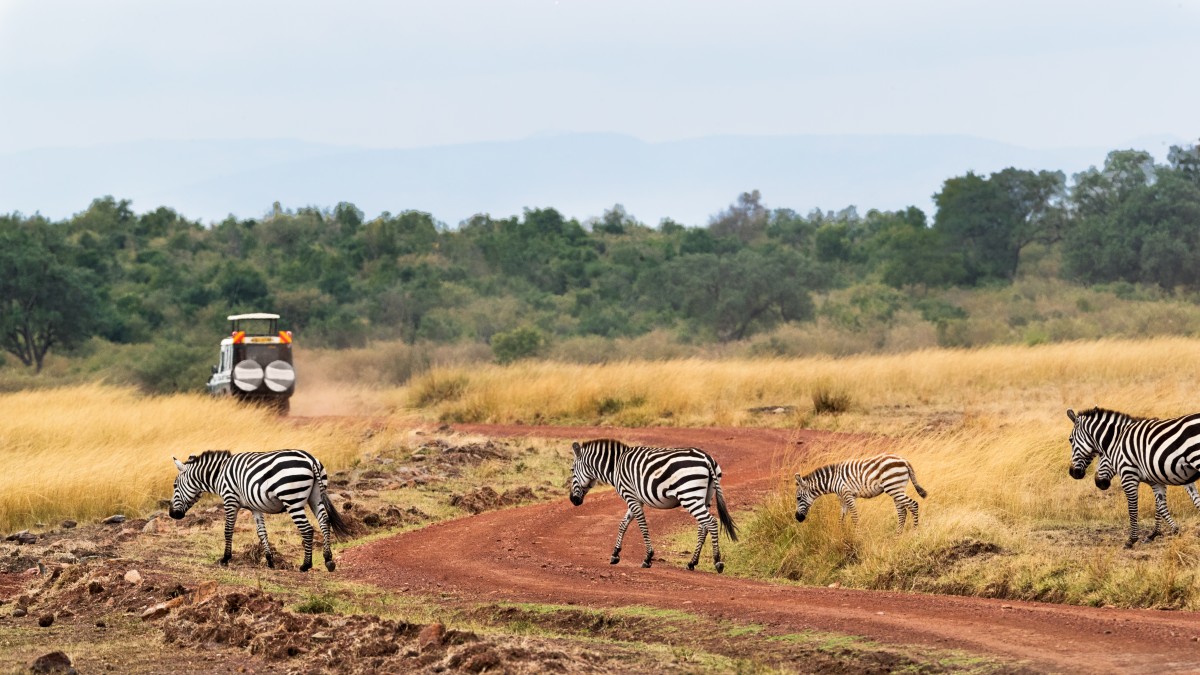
(247, 375)
(280, 376)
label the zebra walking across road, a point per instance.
(1138, 450)
(663, 478)
(262, 482)
(864, 478)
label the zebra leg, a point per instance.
(318, 508)
(852, 506)
(912, 505)
(701, 533)
(1161, 514)
(1129, 484)
(296, 511)
(636, 509)
(261, 526)
(231, 514)
(1191, 490)
(616, 554)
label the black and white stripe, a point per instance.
(1138, 450)
(864, 478)
(262, 482)
(663, 478)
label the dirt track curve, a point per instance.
(556, 553)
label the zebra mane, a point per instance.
(1098, 411)
(215, 454)
(596, 441)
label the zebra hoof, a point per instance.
(691, 566)
(306, 567)
(1129, 544)
(223, 562)
(270, 563)
(646, 564)
(614, 560)
(720, 567)
(330, 565)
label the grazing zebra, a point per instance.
(864, 478)
(1139, 450)
(663, 478)
(262, 482)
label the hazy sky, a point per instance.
(401, 74)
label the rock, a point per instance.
(46, 620)
(151, 526)
(67, 525)
(94, 587)
(54, 662)
(164, 503)
(320, 637)
(431, 636)
(19, 612)
(156, 612)
(133, 577)
(22, 537)
(835, 585)
(204, 592)
(114, 520)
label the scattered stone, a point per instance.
(114, 520)
(22, 537)
(67, 525)
(321, 637)
(151, 526)
(54, 662)
(431, 636)
(19, 612)
(156, 611)
(835, 585)
(133, 577)
(46, 620)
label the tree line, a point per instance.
(340, 279)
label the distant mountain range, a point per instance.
(581, 175)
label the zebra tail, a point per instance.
(723, 513)
(339, 526)
(912, 476)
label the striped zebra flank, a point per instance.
(1136, 450)
(863, 478)
(262, 482)
(662, 478)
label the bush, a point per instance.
(520, 343)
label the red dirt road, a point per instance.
(556, 553)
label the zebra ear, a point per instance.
(1071, 414)
(799, 479)
(178, 464)
(575, 448)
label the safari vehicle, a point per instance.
(255, 363)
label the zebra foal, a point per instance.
(864, 478)
(261, 482)
(1138, 450)
(663, 478)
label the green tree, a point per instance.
(43, 301)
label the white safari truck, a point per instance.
(255, 364)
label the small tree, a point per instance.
(519, 343)
(44, 302)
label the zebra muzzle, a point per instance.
(800, 517)
(1103, 483)
(1077, 473)
(177, 515)
(576, 499)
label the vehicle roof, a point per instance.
(258, 315)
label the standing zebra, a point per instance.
(262, 482)
(663, 478)
(1139, 450)
(864, 478)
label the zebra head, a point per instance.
(1083, 445)
(804, 497)
(1104, 471)
(187, 489)
(583, 474)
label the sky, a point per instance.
(1039, 74)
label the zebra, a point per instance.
(864, 478)
(261, 482)
(1140, 450)
(663, 478)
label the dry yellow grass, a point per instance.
(887, 392)
(91, 451)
